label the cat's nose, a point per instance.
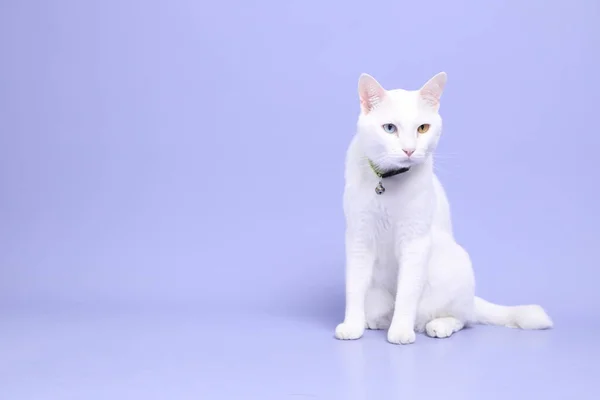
(408, 152)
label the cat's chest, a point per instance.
(390, 216)
(393, 205)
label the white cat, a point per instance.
(404, 270)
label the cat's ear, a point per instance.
(370, 92)
(431, 92)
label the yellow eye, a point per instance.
(423, 128)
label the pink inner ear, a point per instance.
(431, 97)
(431, 92)
(371, 93)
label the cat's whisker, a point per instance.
(446, 156)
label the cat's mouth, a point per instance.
(404, 163)
(391, 161)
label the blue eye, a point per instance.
(390, 128)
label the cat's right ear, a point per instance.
(370, 92)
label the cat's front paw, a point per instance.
(401, 334)
(349, 331)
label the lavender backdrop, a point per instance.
(173, 170)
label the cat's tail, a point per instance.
(523, 317)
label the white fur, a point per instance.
(404, 270)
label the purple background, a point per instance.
(171, 222)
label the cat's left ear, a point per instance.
(431, 92)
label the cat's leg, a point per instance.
(447, 303)
(360, 260)
(413, 256)
(443, 327)
(378, 308)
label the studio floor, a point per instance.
(177, 355)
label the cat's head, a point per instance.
(399, 128)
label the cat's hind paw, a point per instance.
(443, 327)
(378, 324)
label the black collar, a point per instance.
(394, 172)
(387, 174)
